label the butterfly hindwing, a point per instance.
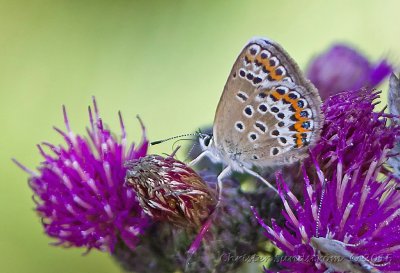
(268, 111)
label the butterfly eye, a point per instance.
(207, 141)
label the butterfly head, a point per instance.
(207, 144)
(206, 141)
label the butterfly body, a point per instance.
(231, 157)
(268, 114)
(337, 258)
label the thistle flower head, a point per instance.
(342, 68)
(231, 236)
(79, 188)
(349, 196)
(169, 190)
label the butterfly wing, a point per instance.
(268, 112)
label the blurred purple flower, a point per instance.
(79, 190)
(359, 206)
(342, 68)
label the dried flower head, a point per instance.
(342, 68)
(348, 194)
(169, 190)
(231, 239)
(79, 188)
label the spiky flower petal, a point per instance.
(79, 188)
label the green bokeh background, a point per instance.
(167, 60)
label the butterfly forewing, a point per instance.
(268, 112)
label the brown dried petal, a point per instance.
(168, 190)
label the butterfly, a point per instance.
(268, 115)
(394, 109)
(337, 258)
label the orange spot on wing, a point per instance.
(264, 62)
(296, 108)
(299, 128)
(276, 95)
(299, 141)
(274, 76)
(299, 117)
(250, 57)
(258, 58)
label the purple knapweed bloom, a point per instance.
(79, 188)
(349, 196)
(342, 68)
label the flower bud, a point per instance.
(168, 190)
(342, 68)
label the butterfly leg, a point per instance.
(200, 157)
(225, 172)
(330, 235)
(345, 244)
(253, 173)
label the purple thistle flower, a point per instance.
(349, 195)
(342, 68)
(79, 188)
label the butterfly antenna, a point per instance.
(163, 140)
(319, 209)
